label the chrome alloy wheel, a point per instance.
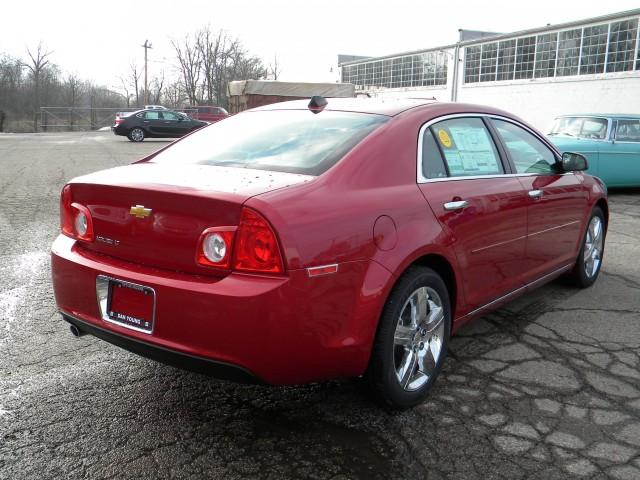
(593, 242)
(417, 343)
(137, 135)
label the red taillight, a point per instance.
(256, 245)
(214, 247)
(66, 214)
(75, 219)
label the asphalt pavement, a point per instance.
(547, 387)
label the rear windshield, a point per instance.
(295, 141)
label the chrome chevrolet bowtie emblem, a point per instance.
(139, 211)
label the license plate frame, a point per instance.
(105, 291)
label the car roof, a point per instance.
(380, 106)
(603, 115)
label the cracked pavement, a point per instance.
(546, 387)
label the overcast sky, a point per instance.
(98, 40)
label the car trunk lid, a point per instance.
(154, 214)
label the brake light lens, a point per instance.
(75, 219)
(257, 248)
(66, 214)
(214, 247)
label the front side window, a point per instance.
(467, 147)
(628, 131)
(528, 153)
(295, 141)
(584, 127)
(169, 116)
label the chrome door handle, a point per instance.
(535, 193)
(460, 204)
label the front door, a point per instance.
(620, 160)
(556, 200)
(483, 210)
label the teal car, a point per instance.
(611, 144)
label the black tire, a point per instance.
(387, 355)
(580, 275)
(136, 134)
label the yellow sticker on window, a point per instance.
(445, 139)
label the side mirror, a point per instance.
(574, 162)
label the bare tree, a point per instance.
(39, 62)
(157, 85)
(190, 66)
(134, 81)
(274, 70)
(174, 95)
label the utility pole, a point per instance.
(146, 46)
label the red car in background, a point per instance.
(296, 243)
(207, 113)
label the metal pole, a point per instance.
(146, 46)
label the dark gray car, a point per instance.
(156, 124)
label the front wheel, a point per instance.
(412, 339)
(136, 135)
(589, 259)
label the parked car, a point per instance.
(297, 243)
(155, 124)
(611, 144)
(209, 113)
(155, 107)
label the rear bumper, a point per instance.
(206, 366)
(279, 330)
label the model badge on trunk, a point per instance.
(139, 211)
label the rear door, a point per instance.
(465, 180)
(152, 121)
(557, 201)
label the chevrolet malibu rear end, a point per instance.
(182, 262)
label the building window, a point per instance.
(386, 73)
(396, 72)
(506, 59)
(568, 52)
(622, 45)
(441, 68)
(525, 55)
(594, 49)
(546, 55)
(489, 59)
(472, 64)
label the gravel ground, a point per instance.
(547, 387)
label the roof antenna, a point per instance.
(317, 104)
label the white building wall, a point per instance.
(540, 101)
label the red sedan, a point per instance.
(296, 243)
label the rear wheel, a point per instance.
(589, 259)
(412, 339)
(136, 135)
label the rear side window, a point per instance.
(432, 162)
(467, 147)
(295, 141)
(628, 131)
(151, 115)
(528, 153)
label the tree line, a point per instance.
(205, 62)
